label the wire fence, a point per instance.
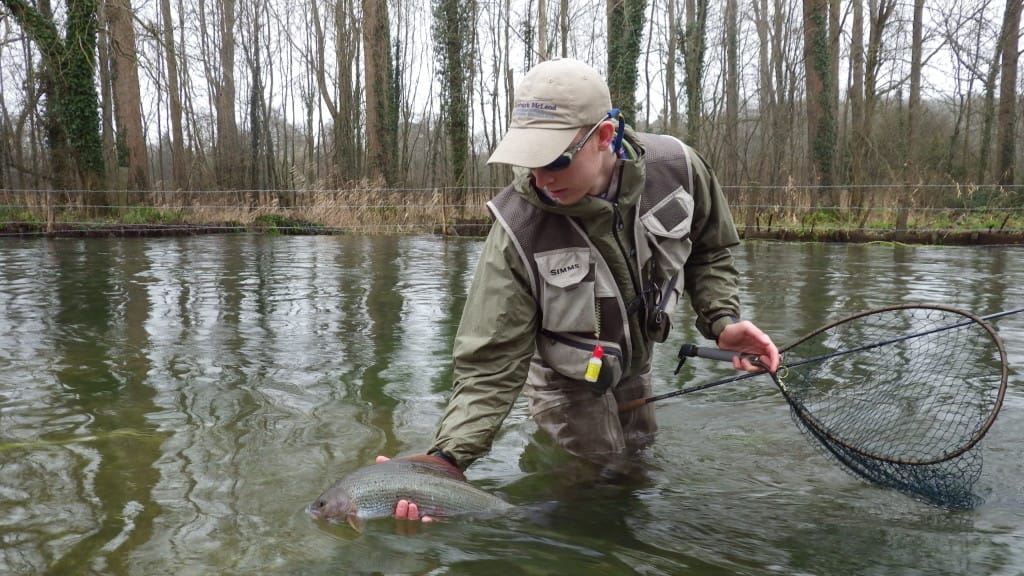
(933, 214)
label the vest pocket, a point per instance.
(567, 290)
(560, 363)
(672, 217)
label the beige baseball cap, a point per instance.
(553, 101)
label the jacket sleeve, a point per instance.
(493, 347)
(710, 272)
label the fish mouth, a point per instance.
(319, 509)
(324, 511)
(313, 510)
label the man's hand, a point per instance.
(406, 510)
(749, 339)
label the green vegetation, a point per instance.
(948, 215)
(10, 214)
(283, 224)
(148, 215)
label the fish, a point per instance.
(438, 488)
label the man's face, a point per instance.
(582, 177)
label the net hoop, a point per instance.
(824, 433)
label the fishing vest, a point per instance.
(580, 304)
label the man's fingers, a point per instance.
(406, 510)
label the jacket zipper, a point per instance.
(618, 224)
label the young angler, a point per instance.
(599, 233)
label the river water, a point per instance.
(170, 406)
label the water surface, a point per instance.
(170, 406)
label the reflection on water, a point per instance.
(169, 406)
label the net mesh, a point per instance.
(907, 410)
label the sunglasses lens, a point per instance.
(560, 163)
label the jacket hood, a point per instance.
(628, 177)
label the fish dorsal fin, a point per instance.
(434, 465)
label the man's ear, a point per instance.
(605, 133)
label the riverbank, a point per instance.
(975, 220)
(948, 237)
(937, 237)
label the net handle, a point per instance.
(716, 354)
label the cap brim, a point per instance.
(532, 147)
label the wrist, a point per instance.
(448, 458)
(718, 323)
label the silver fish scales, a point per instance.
(437, 488)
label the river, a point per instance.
(171, 405)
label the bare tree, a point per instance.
(179, 176)
(988, 113)
(671, 59)
(626, 17)
(72, 101)
(855, 92)
(1010, 41)
(262, 172)
(127, 97)
(730, 168)
(563, 26)
(542, 30)
(694, 50)
(914, 99)
(821, 121)
(381, 104)
(229, 168)
(328, 93)
(454, 21)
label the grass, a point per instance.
(373, 211)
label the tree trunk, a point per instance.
(111, 176)
(72, 102)
(229, 169)
(914, 99)
(179, 176)
(821, 134)
(563, 26)
(1007, 133)
(766, 94)
(542, 30)
(694, 49)
(880, 15)
(381, 106)
(988, 115)
(348, 159)
(454, 22)
(131, 140)
(733, 159)
(671, 57)
(856, 138)
(626, 17)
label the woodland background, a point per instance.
(375, 113)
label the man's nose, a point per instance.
(542, 177)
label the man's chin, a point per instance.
(564, 198)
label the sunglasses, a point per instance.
(563, 161)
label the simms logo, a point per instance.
(563, 269)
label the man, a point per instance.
(600, 231)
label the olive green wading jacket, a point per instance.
(498, 333)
